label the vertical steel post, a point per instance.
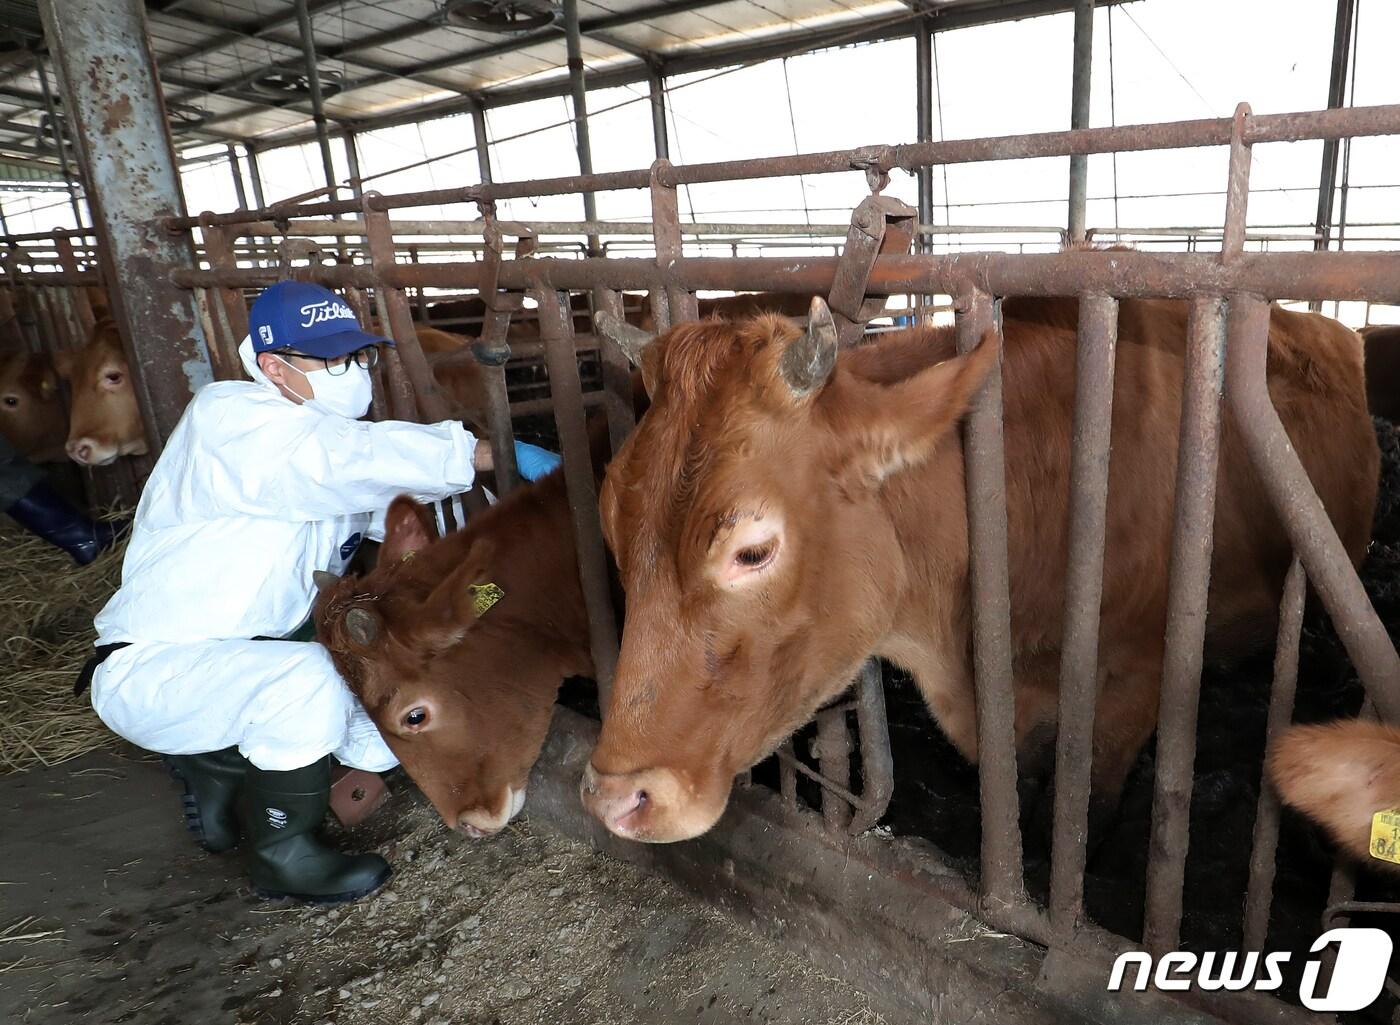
(1079, 650)
(991, 617)
(1189, 581)
(680, 304)
(313, 84)
(1336, 97)
(483, 143)
(255, 176)
(579, 92)
(656, 80)
(60, 144)
(238, 187)
(1079, 114)
(113, 101)
(923, 107)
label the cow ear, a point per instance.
(408, 527)
(467, 594)
(898, 425)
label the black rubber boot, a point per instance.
(47, 513)
(281, 812)
(212, 782)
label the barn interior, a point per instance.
(508, 170)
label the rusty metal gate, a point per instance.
(1229, 294)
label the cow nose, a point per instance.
(80, 451)
(617, 800)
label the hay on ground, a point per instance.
(47, 605)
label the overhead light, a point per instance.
(186, 115)
(503, 16)
(289, 85)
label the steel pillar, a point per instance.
(580, 98)
(483, 143)
(313, 82)
(240, 190)
(923, 105)
(114, 106)
(1079, 114)
(60, 144)
(656, 78)
(1336, 97)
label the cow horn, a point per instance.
(323, 579)
(362, 625)
(808, 360)
(630, 339)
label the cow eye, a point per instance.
(114, 377)
(416, 718)
(755, 556)
(11, 401)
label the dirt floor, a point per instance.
(109, 913)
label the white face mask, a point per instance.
(346, 394)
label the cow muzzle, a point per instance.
(91, 452)
(652, 805)
(478, 822)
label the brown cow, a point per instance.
(106, 419)
(1383, 369)
(32, 417)
(1340, 775)
(784, 511)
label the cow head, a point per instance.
(32, 417)
(106, 420)
(452, 659)
(749, 514)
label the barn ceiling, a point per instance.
(235, 70)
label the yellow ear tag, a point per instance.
(486, 595)
(1385, 835)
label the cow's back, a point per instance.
(1315, 379)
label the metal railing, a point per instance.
(1227, 340)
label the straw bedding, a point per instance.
(47, 606)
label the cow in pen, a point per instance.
(785, 510)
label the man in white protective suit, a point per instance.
(261, 484)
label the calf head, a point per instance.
(106, 420)
(760, 566)
(32, 417)
(439, 644)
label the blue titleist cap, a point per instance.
(306, 318)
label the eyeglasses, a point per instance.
(365, 359)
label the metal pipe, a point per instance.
(1079, 645)
(1079, 114)
(1305, 518)
(112, 96)
(556, 329)
(923, 112)
(60, 143)
(1260, 892)
(579, 93)
(238, 187)
(1198, 449)
(991, 616)
(313, 84)
(1323, 124)
(1336, 96)
(656, 81)
(483, 144)
(255, 176)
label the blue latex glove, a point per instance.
(534, 462)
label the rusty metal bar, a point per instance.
(1302, 512)
(1332, 275)
(380, 398)
(1079, 668)
(112, 97)
(666, 231)
(1259, 894)
(617, 373)
(656, 84)
(1237, 186)
(578, 93)
(1079, 113)
(402, 403)
(60, 143)
(991, 615)
(218, 250)
(832, 748)
(1293, 127)
(1198, 450)
(557, 328)
(876, 760)
(68, 259)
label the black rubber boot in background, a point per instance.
(48, 514)
(212, 783)
(281, 813)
